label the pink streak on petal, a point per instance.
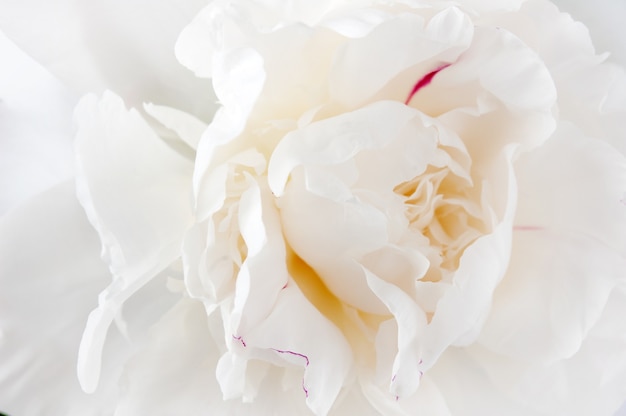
(297, 354)
(240, 340)
(424, 81)
(293, 353)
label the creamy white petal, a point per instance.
(297, 334)
(364, 66)
(468, 389)
(137, 194)
(591, 381)
(591, 90)
(337, 140)
(115, 45)
(519, 101)
(185, 344)
(604, 20)
(462, 310)
(174, 371)
(411, 321)
(50, 276)
(547, 303)
(188, 128)
(264, 273)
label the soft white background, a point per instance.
(36, 109)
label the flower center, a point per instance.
(439, 206)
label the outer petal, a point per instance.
(469, 391)
(592, 381)
(137, 194)
(514, 104)
(570, 207)
(604, 18)
(186, 346)
(50, 275)
(176, 366)
(35, 128)
(126, 47)
(591, 92)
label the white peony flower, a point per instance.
(397, 208)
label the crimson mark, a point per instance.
(297, 354)
(240, 340)
(424, 81)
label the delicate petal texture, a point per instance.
(35, 128)
(188, 128)
(591, 92)
(92, 49)
(440, 40)
(401, 207)
(604, 20)
(463, 308)
(471, 391)
(319, 347)
(45, 266)
(549, 318)
(149, 196)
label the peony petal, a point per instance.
(439, 41)
(464, 306)
(264, 272)
(188, 128)
(591, 92)
(183, 343)
(489, 6)
(35, 128)
(338, 139)
(604, 20)
(136, 192)
(546, 304)
(238, 81)
(589, 382)
(354, 402)
(411, 321)
(519, 100)
(296, 332)
(176, 366)
(553, 178)
(468, 389)
(112, 45)
(50, 275)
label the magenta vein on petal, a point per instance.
(297, 354)
(240, 339)
(424, 81)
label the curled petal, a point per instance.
(141, 225)
(297, 333)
